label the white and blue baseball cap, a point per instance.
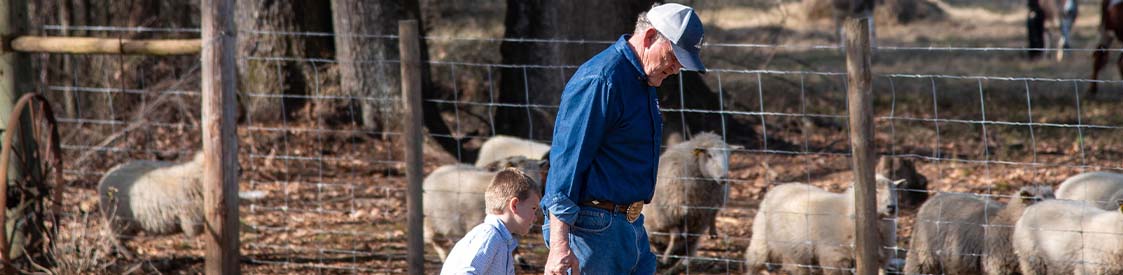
(681, 25)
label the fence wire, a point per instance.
(334, 191)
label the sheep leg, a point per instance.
(713, 228)
(1031, 265)
(839, 266)
(671, 243)
(757, 255)
(691, 243)
(190, 226)
(799, 266)
(441, 252)
(920, 264)
(691, 247)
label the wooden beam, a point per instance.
(220, 147)
(93, 45)
(15, 80)
(860, 98)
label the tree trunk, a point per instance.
(544, 19)
(362, 72)
(431, 111)
(574, 20)
(270, 89)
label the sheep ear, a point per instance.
(898, 182)
(1027, 196)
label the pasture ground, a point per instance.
(344, 211)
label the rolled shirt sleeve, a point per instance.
(585, 112)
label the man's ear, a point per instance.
(649, 37)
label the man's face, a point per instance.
(525, 213)
(659, 62)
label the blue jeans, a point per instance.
(606, 243)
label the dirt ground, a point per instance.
(335, 196)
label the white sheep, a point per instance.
(809, 228)
(953, 232)
(454, 198)
(156, 197)
(998, 250)
(688, 192)
(500, 147)
(1101, 189)
(1069, 237)
(947, 237)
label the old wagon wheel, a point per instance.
(34, 201)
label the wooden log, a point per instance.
(220, 147)
(93, 45)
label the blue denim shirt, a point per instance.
(606, 137)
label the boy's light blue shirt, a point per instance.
(484, 250)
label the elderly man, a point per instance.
(606, 143)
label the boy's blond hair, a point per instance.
(508, 183)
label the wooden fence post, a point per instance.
(411, 101)
(15, 80)
(220, 147)
(860, 100)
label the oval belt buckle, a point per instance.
(634, 210)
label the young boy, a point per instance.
(512, 207)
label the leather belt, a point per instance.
(632, 210)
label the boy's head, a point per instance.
(513, 197)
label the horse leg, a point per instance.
(1099, 58)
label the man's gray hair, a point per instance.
(642, 23)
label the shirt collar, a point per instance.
(494, 221)
(625, 49)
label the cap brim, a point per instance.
(689, 59)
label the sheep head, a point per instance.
(886, 194)
(711, 155)
(1028, 195)
(532, 167)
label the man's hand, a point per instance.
(561, 257)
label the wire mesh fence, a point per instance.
(977, 121)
